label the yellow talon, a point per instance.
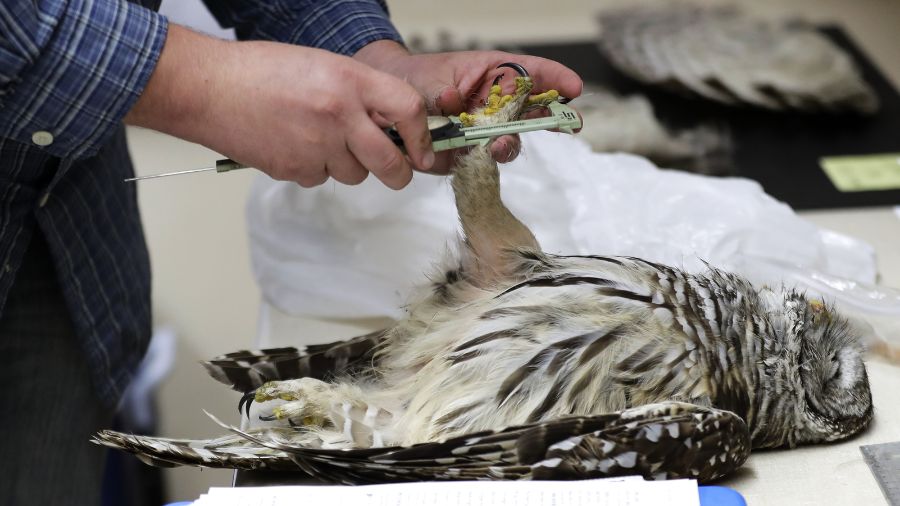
(268, 392)
(262, 394)
(523, 86)
(309, 420)
(544, 98)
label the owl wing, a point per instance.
(658, 441)
(231, 451)
(246, 370)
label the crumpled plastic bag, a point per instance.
(351, 252)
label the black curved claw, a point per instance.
(267, 418)
(515, 66)
(247, 399)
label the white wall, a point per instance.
(195, 225)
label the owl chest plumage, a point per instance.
(575, 335)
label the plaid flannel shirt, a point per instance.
(69, 72)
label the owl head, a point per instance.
(814, 386)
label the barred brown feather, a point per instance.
(248, 369)
(653, 441)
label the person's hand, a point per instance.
(456, 82)
(295, 113)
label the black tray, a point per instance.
(779, 150)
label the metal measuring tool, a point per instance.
(447, 132)
(884, 462)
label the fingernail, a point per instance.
(428, 160)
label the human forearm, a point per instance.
(382, 54)
(176, 99)
(296, 113)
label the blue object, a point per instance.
(720, 496)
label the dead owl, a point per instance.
(518, 364)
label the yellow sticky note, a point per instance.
(863, 172)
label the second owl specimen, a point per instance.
(518, 364)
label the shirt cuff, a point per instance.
(75, 94)
(340, 26)
(346, 34)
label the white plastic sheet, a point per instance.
(352, 252)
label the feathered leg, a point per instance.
(491, 231)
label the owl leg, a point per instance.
(339, 413)
(491, 231)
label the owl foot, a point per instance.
(497, 101)
(297, 413)
(302, 395)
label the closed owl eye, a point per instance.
(835, 369)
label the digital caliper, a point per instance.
(447, 132)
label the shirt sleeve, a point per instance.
(71, 69)
(340, 26)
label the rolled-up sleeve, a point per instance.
(340, 26)
(71, 69)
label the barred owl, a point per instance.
(518, 364)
